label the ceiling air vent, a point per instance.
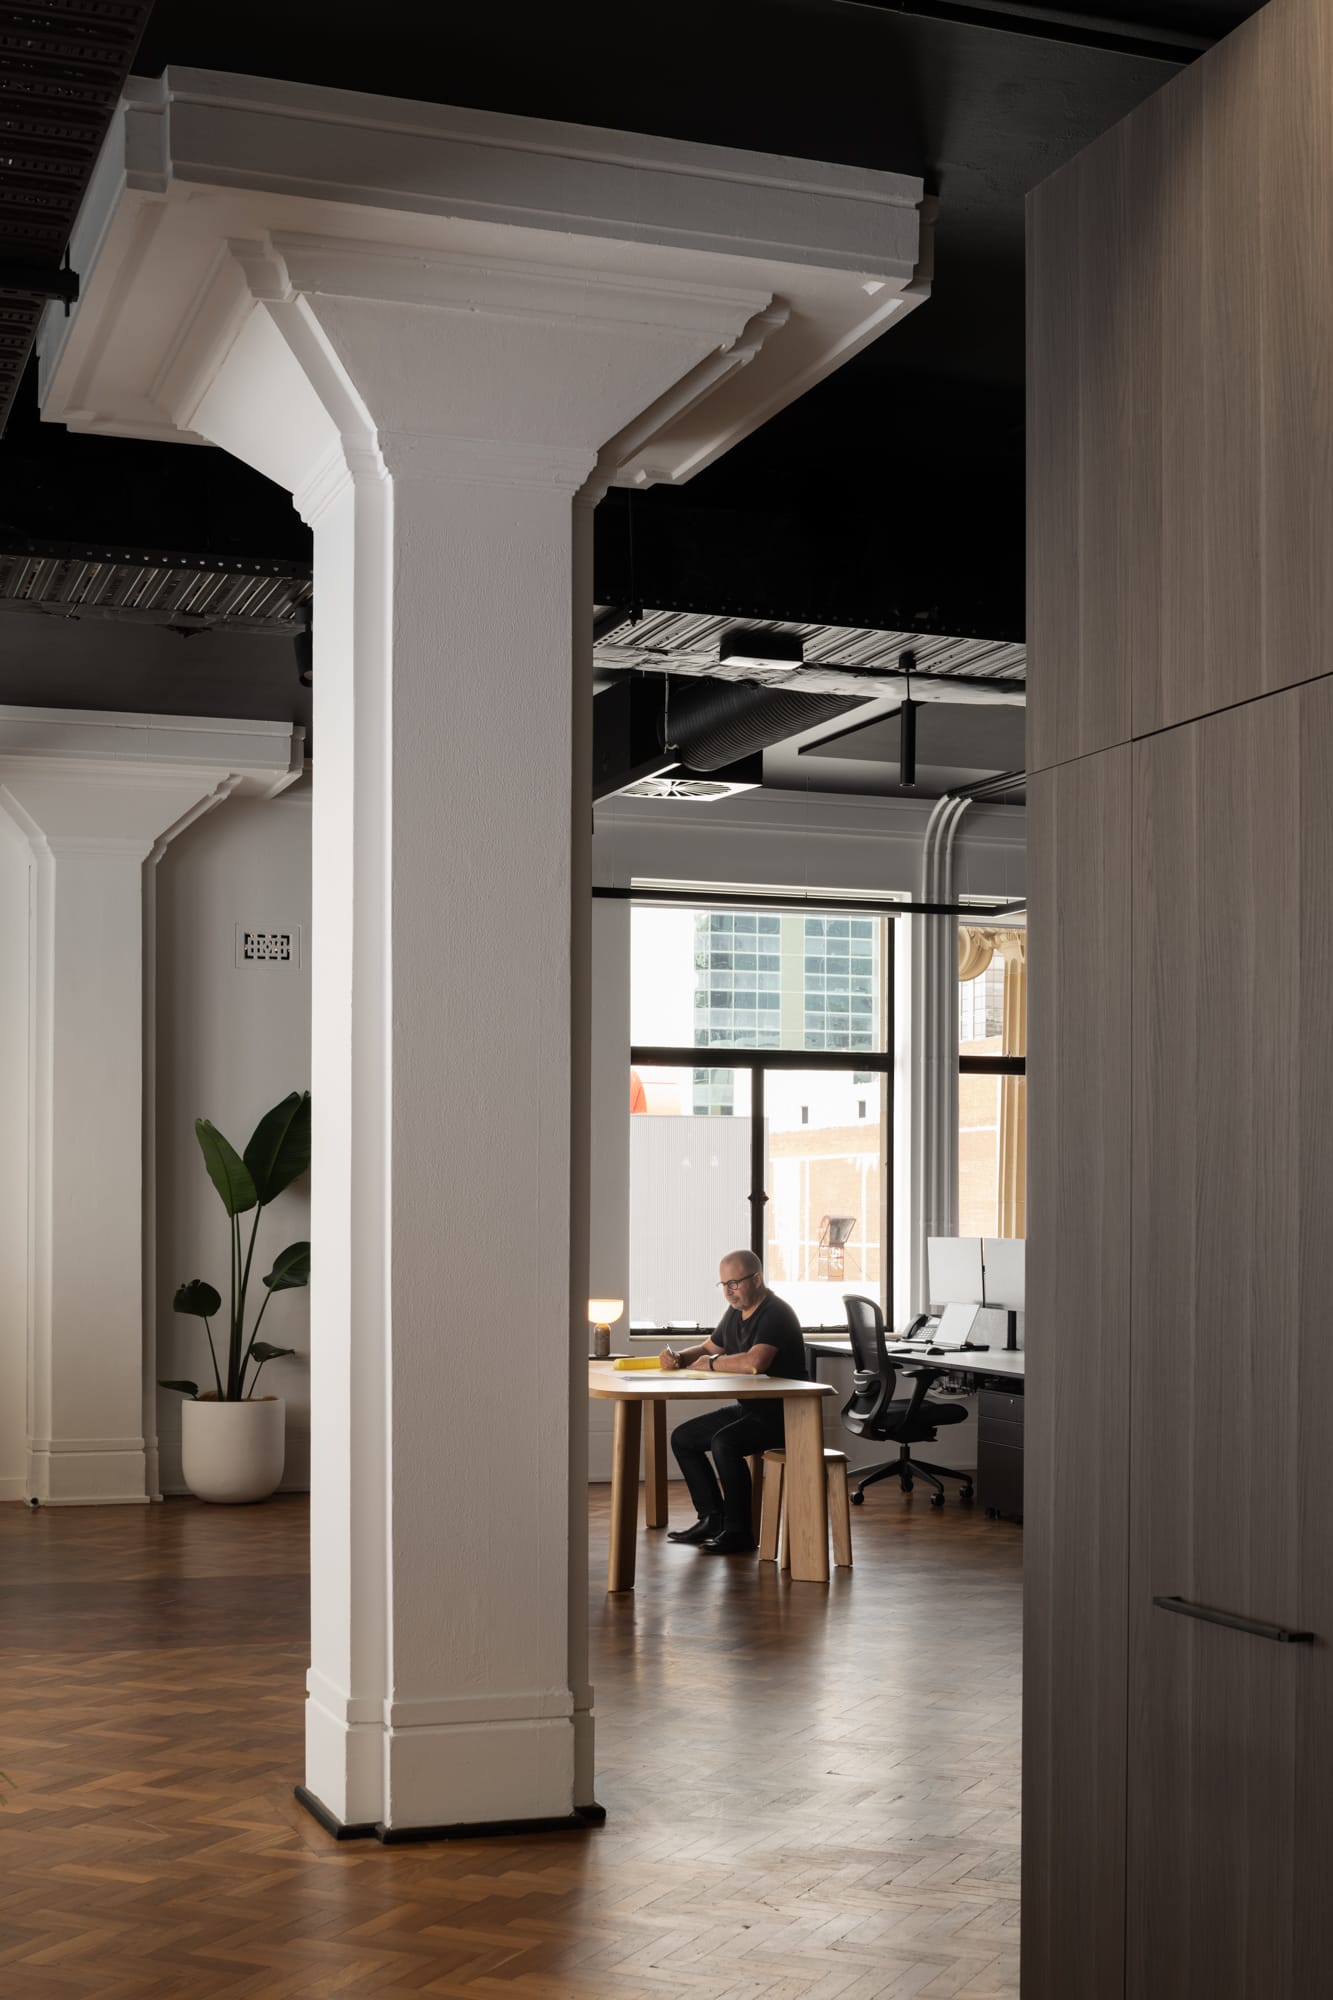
(701, 790)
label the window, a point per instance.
(992, 1081)
(750, 1128)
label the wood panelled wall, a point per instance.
(1076, 1529)
(1181, 398)
(1177, 1817)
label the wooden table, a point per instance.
(629, 1389)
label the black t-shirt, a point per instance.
(771, 1324)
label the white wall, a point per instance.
(231, 1041)
(13, 1163)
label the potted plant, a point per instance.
(232, 1441)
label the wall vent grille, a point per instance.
(258, 945)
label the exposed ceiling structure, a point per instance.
(835, 659)
(182, 592)
(880, 516)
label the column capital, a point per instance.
(645, 300)
(103, 783)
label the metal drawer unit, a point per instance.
(1000, 1452)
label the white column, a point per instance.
(441, 1311)
(444, 332)
(450, 1065)
(93, 797)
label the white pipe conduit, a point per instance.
(934, 1031)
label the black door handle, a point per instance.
(1255, 1626)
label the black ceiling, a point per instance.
(890, 496)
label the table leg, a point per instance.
(805, 1491)
(624, 1495)
(655, 1466)
(756, 1465)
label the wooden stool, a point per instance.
(773, 1524)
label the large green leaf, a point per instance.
(226, 1169)
(199, 1298)
(186, 1388)
(279, 1151)
(263, 1351)
(291, 1267)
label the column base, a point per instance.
(448, 1765)
(582, 1820)
(86, 1472)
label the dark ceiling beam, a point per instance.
(822, 561)
(1165, 44)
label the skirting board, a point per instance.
(583, 1820)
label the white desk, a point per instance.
(982, 1364)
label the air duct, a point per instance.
(647, 726)
(714, 723)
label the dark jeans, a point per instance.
(741, 1431)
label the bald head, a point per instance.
(741, 1276)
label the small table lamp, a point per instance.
(601, 1312)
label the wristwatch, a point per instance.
(711, 1360)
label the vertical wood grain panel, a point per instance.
(1312, 1391)
(1233, 879)
(1196, 478)
(1180, 443)
(1077, 1423)
(1120, 537)
(1054, 668)
(1234, 363)
(1297, 195)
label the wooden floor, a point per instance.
(812, 1795)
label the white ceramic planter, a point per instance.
(233, 1452)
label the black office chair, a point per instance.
(871, 1412)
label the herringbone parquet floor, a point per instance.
(852, 1836)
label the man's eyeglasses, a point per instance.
(734, 1284)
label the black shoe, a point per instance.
(699, 1531)
(731, 1542)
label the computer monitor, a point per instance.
(1004, 1266)
(954, 1270)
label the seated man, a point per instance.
(758, 1334)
